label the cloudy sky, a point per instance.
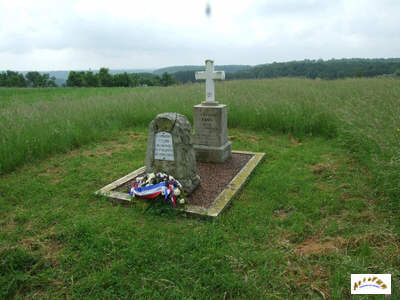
(120, 34)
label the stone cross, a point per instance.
(209, 76)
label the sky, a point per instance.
(88, 34)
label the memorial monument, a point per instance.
(211, 122)
(170, 149)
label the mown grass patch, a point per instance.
(305, 221)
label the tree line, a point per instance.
(31, 79)
(104, 79)
(86, 79)
(328, 69)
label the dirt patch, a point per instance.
(366, 216)
(323, 186)
(44, 245)
(116, 148)
(294, 141)
(55, 180)
(281, 214)
(308, 278)
(135, 135)
(345, 197)
(251, 138)
(51, 251)
(52, 171)
(106, 151)
(382, 239)
(321, 168)
(316, 246)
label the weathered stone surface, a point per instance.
(170, 133)
(211, 133)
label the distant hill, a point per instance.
(226, 68)
(324, 69)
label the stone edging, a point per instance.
(220, 202)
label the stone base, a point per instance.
(213, 154)
(211, 132)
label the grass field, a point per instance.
(321, 206)
(364, 114)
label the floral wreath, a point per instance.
(153, 185)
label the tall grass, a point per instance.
(36, 129)
(363, 113)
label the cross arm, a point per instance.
(219, 75)
(200, 75)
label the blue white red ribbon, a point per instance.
(150, 191)
(155, 190)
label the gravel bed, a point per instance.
(214, 178)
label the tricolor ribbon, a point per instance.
(150, 191)
(154, 190)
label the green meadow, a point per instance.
(322, 205)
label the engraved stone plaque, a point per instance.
(208, 120)
(163, 149)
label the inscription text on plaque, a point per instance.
(163, 149)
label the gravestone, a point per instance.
(170, 150)
(211, 122)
